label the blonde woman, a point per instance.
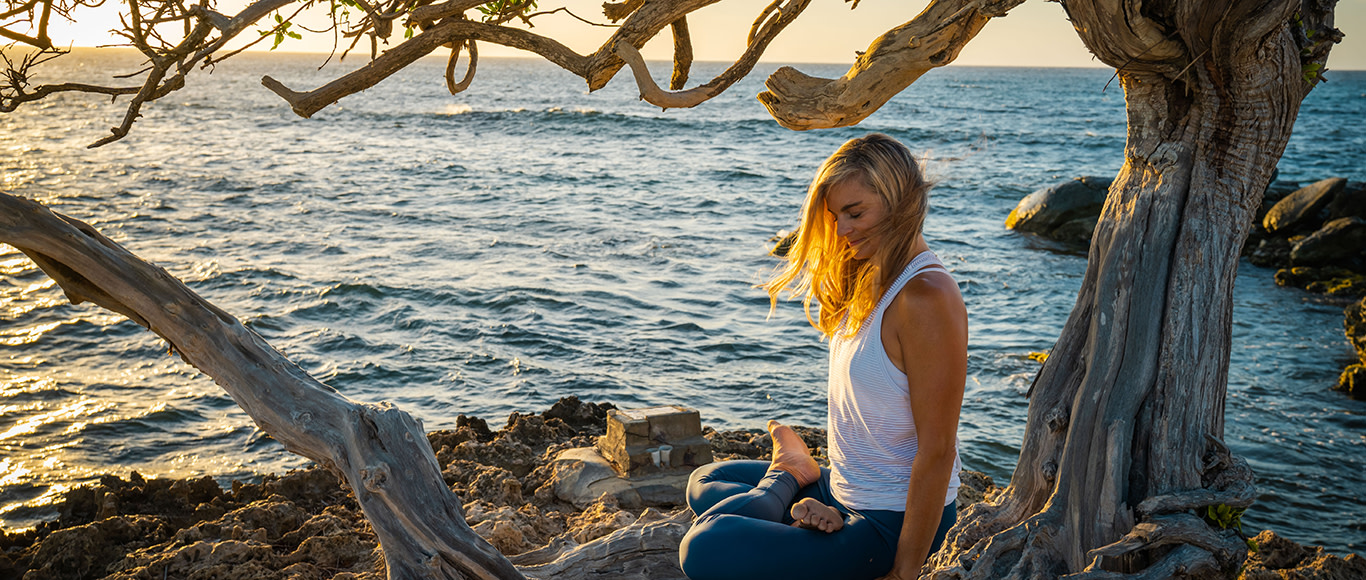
(898, 335)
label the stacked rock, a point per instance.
(1315, 237)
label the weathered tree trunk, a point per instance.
(381, 452)
(1126, 417)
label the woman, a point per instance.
(898, 361)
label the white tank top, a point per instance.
(872, 439)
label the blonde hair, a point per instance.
(822, 269)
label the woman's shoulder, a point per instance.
(931, 297)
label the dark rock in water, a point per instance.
(1330, 280)
(1270, 253)
(783, 241)
(1275, 192)
(1066, 212)
(1354, 325)
(1304, 209)
(1341, 242)
(1353, 382)
(1350, 202)
(1277, 558)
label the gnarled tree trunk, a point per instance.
(1126, 417)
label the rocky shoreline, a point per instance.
(1313, 236)
(306, 525)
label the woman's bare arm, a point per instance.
(930, 325)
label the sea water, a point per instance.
(526, 240)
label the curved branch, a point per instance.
(1166, 531)
(380, 451)
(305, 104)
(454, 87)
(1183, 562)
(894, 61)
(651, 93)
(9, 104)
(682, 54)
(426, 15)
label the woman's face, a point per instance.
(857, 211)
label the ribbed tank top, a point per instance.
(872, 438)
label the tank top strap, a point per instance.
(923, 262)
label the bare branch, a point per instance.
(451, 85)
(426, 15)
(20, 9)
(40, 42)
(894, 61)
(618, 10)
(759, 21)
(307, 103)
(682, 54)
(9, 104)
(651, 93)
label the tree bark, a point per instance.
(381, 452)
(1127, 415)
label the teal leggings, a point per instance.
(744, 531)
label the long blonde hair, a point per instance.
(821, 269)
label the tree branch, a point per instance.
(894, 61)
(682, 54)
(305, 104)
(378, 450)
(454, 87)
(651, 93)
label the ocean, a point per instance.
(526, 240)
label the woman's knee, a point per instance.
(702, 553)
(716, 481)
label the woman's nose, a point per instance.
(842, 228)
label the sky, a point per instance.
(1035, 33)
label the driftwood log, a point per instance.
(379, 451)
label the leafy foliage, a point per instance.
(280, 31)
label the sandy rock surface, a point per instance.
(305, 525)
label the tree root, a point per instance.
(1024, 551)
(1226, 548)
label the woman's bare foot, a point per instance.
(814, 515)
(791, 455)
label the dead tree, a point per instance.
(1123, 440)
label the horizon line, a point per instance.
(532, 56)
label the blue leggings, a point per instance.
(744, 529)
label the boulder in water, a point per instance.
(1350, 202)
(1304, 209)
(1354, 325)
(1341, 242)
(1066, 212)
(1353, 382)
(1329, 280)
(1270, 253)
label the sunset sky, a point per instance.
(1035, 33)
